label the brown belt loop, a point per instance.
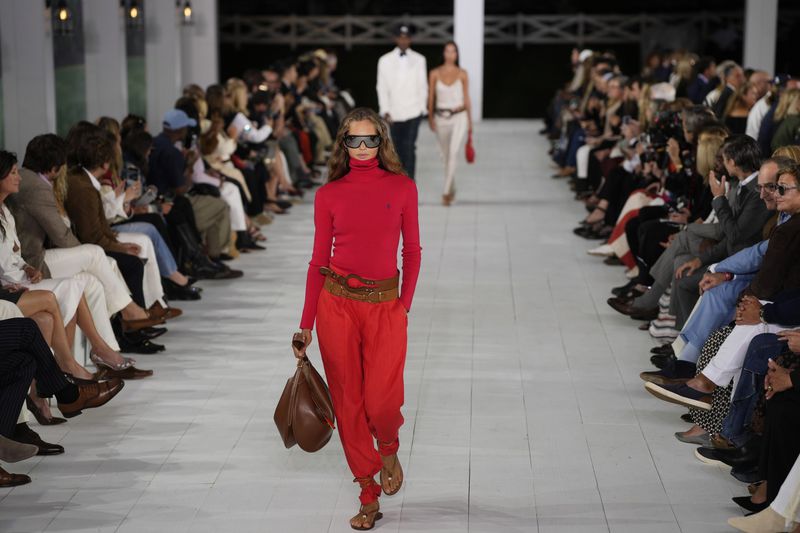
(373, 291)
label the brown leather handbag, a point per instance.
(304, 414)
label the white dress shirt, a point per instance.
(12, 265)
(755, 117)
(402, 85)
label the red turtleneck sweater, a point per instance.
(362, 216)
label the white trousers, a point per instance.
(151, 284)
(727, 364)
(230, 193)
(787, 502)
(451, 131)
(582, 157)
(68, 292)
(66, 262)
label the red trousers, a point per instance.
(363, 347)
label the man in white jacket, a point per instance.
(403, 94)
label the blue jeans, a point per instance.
(751, 385)
(166, 263)
(577, 140)
(716, 309)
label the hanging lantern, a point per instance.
(186, 14)
(62, 18)
(134, 16)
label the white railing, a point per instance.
(578, 28)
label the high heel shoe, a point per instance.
(39, 415)
(98, 361)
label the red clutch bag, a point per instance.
(469, 150)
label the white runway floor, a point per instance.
(524, 409)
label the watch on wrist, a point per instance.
(761, 316)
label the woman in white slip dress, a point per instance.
(449, 113)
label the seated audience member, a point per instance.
(787, 119)
(170, 172)
(779, 272)
(69, 292)
(24, 356)
(741, 214)
(40, 219)
(703, 83)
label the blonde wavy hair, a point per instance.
(339, 162)
(709, 141)
(792, 151)
(788, 104)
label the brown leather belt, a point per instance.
(373, 291)
(447, 113)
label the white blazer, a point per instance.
(402, 85)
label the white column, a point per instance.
(200, 45)
(760, 34)
(106, 63)
(29, 94)
(163, 58)
(468, 30)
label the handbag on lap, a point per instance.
(304, 414)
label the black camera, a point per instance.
(666, 125)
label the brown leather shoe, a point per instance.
(129, 373)
(626, 307)
(8, 479)
(164, 313)
(90, 396)
(141, 323)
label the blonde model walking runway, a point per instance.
(449, 113)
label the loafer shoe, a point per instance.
(681, 394)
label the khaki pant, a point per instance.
(213, 221)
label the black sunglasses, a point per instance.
(783, 188)
(354, 141)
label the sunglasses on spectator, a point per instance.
(355, 141)
(783, 188)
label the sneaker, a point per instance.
(681, 394)
(703, 456)
(602, 251)
(663, 332)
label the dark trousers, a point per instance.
(781, 444)
(404, 135)
(24, 355)
(132, 269)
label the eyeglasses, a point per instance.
(355, 141)
(769, 187)
(783, 188)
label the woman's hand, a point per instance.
(432, 123)
(778, 379)
(792, 336)
(133, 192)
(674, 151)
(35, 276)
(303, 336)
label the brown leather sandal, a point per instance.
(370, 516)
(386, 477)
